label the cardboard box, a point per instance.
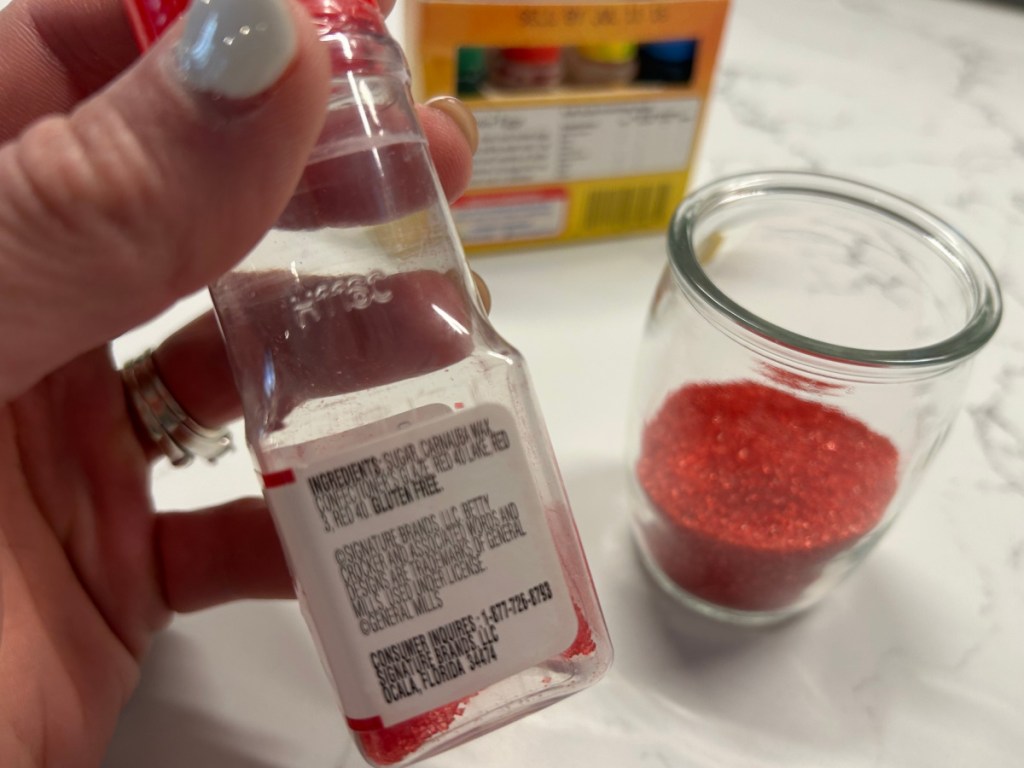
(589, 113)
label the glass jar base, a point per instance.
(711, 610)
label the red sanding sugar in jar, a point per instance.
(757, 491)
(805, 353)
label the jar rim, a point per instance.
(978, 276)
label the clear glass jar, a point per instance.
(805, 354)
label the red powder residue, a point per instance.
(387, 746)
(583, 644)
(758, 490)
(794, 381)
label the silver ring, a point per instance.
(180, 437)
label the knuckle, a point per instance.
(85, 185)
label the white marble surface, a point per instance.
(917, 660)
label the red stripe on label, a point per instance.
(275, 479)
(365, 723)
(473, 200)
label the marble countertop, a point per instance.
(916, 660)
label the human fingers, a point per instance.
(483, 290)
(53, 53)
(157, 185)
(453, 138)
(64, 50)
(212, 556)
(193, 365)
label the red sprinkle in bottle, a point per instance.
(805, 354)
(402, 453)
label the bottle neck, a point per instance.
(370, 163)
(338, 20)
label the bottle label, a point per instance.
(425, 562)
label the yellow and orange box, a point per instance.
(589, 113)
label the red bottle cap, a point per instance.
(149, 18)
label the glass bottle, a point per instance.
(471, 70)
(402, 452)
(535, 68)
(806, 352)
(601, 64)
(668, 61)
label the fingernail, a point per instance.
(463, 118)
(235, 48)
(483, 290)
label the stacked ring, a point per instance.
(179, 437)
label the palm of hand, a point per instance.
(88, 571)
(80, 577)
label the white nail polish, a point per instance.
(235, 48)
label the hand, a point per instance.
(108, 167)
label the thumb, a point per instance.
(156, 186)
